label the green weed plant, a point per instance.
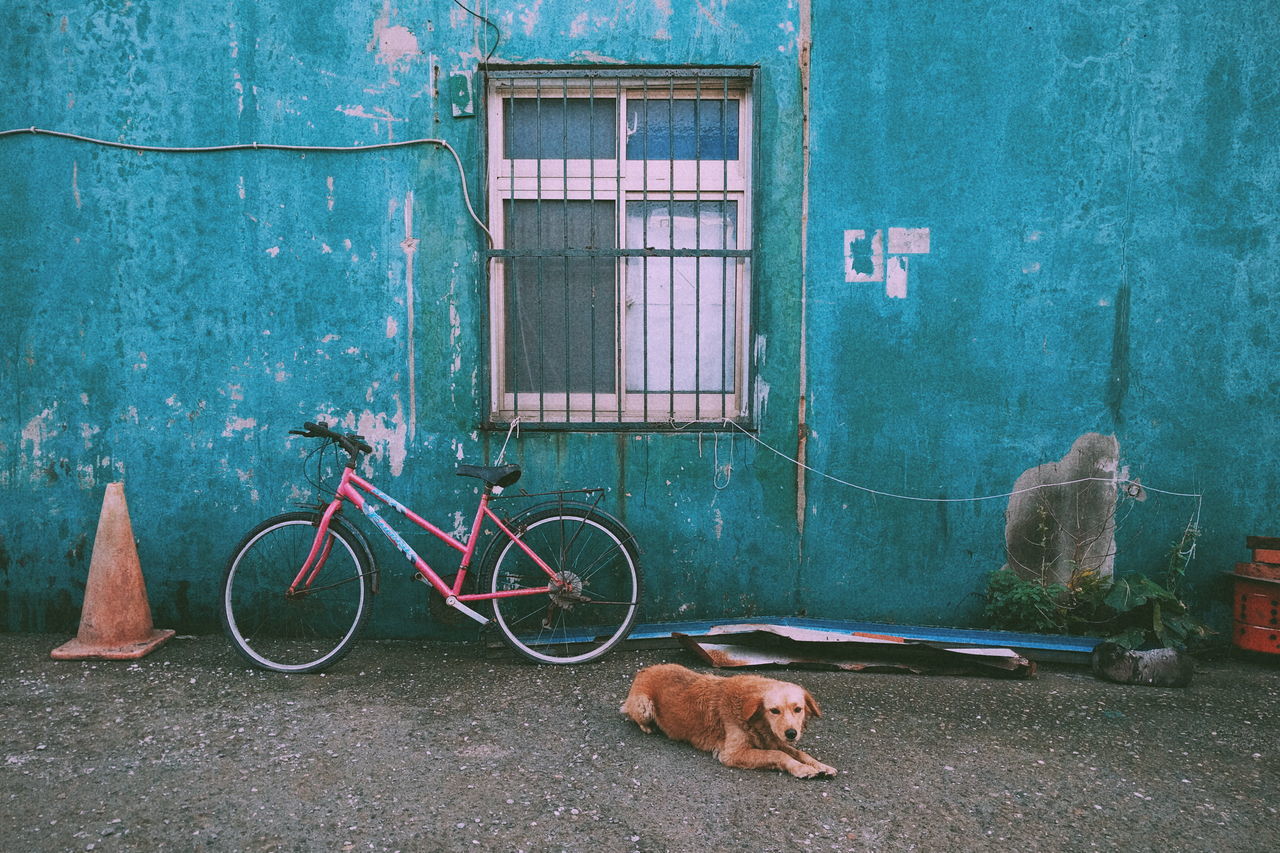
(1133, 610)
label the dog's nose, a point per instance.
(791, 734)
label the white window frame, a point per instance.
(621, 181)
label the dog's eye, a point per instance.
(798, 709)
(775, 710)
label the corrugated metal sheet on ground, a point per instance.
(752, 645)
(1037, 647)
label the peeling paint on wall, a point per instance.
(1061, 519)
(394, 45)
(36, 431)
(236, 424)
(865, 261)
(387, 435)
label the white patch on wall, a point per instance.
(455, 332)
(865, 258)
(386, 435)
(663, 8)
(235, 425)
(394, 44)
(761, 396)
(460, 530)
(358, 111)
(85, 478)
(529, 17)
(36, 431)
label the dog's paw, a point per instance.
(817, 770)
(803, 771)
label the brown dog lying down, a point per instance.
(745, 721)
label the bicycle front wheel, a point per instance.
(312, 627)
(596, 602)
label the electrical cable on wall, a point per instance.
(1132, 487)
(466, 197)
(497, 33)
(269, 146)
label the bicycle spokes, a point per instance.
(594, 592)
(294, 628)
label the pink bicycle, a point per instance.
(563, 576)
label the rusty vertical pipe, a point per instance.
(802, 428)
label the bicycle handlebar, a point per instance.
(353, 444)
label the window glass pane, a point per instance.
(681, 312)
(554, 127)
(682, 129)
(561, 332)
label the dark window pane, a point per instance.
(682, 129)
(556, 128)
(561, 312)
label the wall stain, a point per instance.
(182, 602)
(75, 554)
(1118, 381)
(620, 501)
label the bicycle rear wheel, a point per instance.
(595, 557)
(310, 629)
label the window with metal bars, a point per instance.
(620, 278)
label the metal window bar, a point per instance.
(644, 265)
(619, 231)
(593, 239)
(564, 263)
(729, 384)
(671, 262)
(726, 365)
(542, 368)
(697, 242)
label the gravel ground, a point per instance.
(416, 746)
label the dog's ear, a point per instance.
(811, 704)
(751, 705)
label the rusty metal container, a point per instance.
(1256, 598)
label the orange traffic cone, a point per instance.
(115, 623)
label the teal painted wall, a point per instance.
(1100, 184)
(1099, 188)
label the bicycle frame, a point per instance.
(353, 488)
